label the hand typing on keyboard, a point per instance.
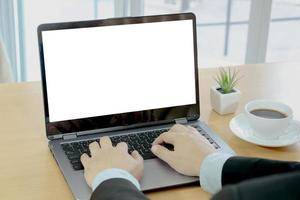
(182, 147)
(190, 148)
(106, 156)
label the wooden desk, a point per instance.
(28, 170)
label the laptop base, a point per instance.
(157, 174)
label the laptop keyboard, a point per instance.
(141, 141)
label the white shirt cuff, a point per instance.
(211, 172)
(114, 173)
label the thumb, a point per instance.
(162, 153)
(139, 168)
(135, 154)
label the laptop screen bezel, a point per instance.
(195, 108)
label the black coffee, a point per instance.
(268, 113)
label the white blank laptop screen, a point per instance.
(118, 69)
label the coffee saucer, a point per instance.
(241, 128)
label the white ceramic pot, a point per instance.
(224, 103)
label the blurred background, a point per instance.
(230, 32)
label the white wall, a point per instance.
(46, 11)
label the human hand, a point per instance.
(106, 156)
(190, 149)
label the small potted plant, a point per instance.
(225, 97)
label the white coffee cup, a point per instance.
(268, 128)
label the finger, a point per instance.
(204, 139)
(138, 172)
(84, 158)
(122, 146)
(167, 137)
(135, 154)
(192, 130)
(105, 142)
(178, 128)
(196, 133)
(162, 153)
(94, 148)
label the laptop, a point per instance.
(127, 78)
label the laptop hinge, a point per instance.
(181, 121)
(70, 136)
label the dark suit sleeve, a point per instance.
(116, 189)
(237, 169)
(275, 187)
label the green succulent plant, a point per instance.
(227, 79)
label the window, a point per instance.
(230, 32)
(284, 35)
(221, 26)
(37, 12)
